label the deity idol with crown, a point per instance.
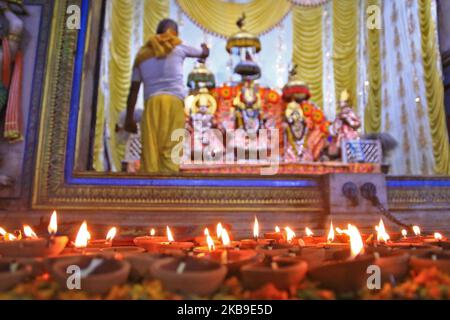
(206, 139)
(345, 127)
(295, 92)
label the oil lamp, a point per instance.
(31, 245)
(232, 257)
(104, 243)
(330, 246)
(348, 272)
(149, 242)
(170, 246)
(277, 235)
(253, 243)
(189, 275)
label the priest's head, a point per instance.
(165, 25)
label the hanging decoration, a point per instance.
(219, 17)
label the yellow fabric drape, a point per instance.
(119, 69)
(345, 30)
(434, 89)
(154, 12)
(307, 55)
(219, 17)
(99, 133)
(373, 109)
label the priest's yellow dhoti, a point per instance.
(163, 114)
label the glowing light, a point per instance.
(206, 232)
(29, 233)
(330, 237)
(437, 236)
(152, 232)
(83, 237)
(308, 232)
(170, 237)
(404, 233)
(290, 234)
(382, 235)
(210, 242)
(256, 229)
(277, 229)
(356, 242)
(53, 225)
(219, 230)
(225, 238)
(416, 230)
(111, 234)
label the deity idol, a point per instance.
(201, 109)
(345, 127)
(316, 140)
(295, 92)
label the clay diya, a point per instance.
(12, 273)
(103, 243)
(148, 242)
(233, 259)
(32, 246)
(189, 275)
(277, 235)
(309, 238)
(283, 274)
(98, 274)
(275, 249)
(394, 265)
(440, 261)
(141, 264)
(256, 241)
(348, 272)
(122, 251)
(312, 255)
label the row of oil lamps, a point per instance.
(338, 261)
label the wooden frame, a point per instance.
(58, 183)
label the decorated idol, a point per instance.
(345, 127)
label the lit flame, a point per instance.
(416, 230)
(256, 229)
(404, 233)
(340, 231)
(356, 242)
(382, 235)
(53, 225)
(152, 232)
(7, 236)
(437, 236)
(225, 238)
(206, 232)
(111, 234)
(219, 230)
(210, 242)
(330, 237)
(29, 233)
(3, 232)
(308, 232)
(83, 236)
(169, 235)
(290, 234)
(277, 229)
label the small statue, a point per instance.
(316, 139)
(345, 127)
(201, 109)
(248, 112)
(295, 132)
